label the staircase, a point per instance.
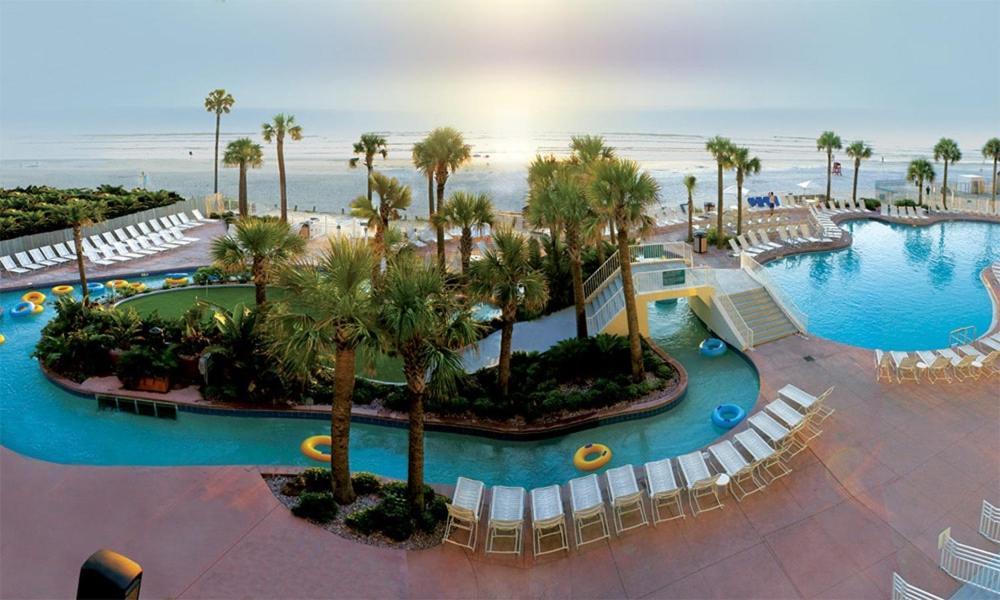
(762, 315)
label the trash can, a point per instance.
(700, 242)
(109, 575)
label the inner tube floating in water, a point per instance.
(34, 297)
(95, 287)
(62, 290)
(22, 309)
(117, 283)
(2, 339)
(727, 415)
(176, 278)
(37, 309)
(591, 457)
(712, 347)
(138, 286)
(309, 444)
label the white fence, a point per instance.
(901, 590)
(756, 271)
(989, 522)
(970, 565)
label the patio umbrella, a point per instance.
(805, 184)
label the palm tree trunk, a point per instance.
(259, 274)
(920, 192)
(379, 243)
(854, 187)
(244, 207)
(441, 180)
(466, 249)
(415, 452)
(371, 168)
(281, 179)
(631, 312)
(430, 195)
(340, 424)
(718, 209)
(576, 273)
(78, 246)
(218, 121)
(829, 174)
(690, 217)
(739, 202)
(944, 187)
(506, 337)
(994, 200)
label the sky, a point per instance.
(509, 66)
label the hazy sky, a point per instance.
(509, 64)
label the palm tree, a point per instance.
(589, 151)
(467, 211)
(445, 151)
(919, 172)
(218, 102)
(947, 150)
(859, 151)
(393, 198)
(991, 149)
(721, 149)
(281, 125)
(828, 141)
(369, 146)
(689, 183)
(333, 315)
(243, 153)
(625, 191)
(421, 321)
(506, 279)
(422, 161)
(744, 164)
(260, 245)
(79, 214)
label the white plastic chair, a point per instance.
(587, 505)
(464, 511)
(768, 462)
(701, 483)
(664, 493)
(742, 481)
(506, 519)
(626, 498)
(548, 519)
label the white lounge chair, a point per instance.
(742, 481)
(626, 498)
(51, 255)
(883, 366)
(777, 434)
(811, 406)
(934, 365)
(65, 250)
(11, 266)
(905, 366)
(664, 493)
(548, 519)
(701, 483)
(176, 220)
(798, 424)
(39, 258)
(464, 511)
(988, 365)
(180, 237)
(506, 520)
(736, 249)
(27, 263)
(197, 214)
(760, 238)
(768, 462)
(587, 505)
(807, 235)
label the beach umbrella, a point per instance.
(805, 184)
(731, 190)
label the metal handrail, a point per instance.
(660, 251)
(968, 564)
(962, 336)
(596, 281)
(902, 590)
(730, 314)
(756, 271)
(989, 522)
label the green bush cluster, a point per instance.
(392, 516)
(712, 236)
(906, 202)
(365, 483)
(872, 203)
(38, 208)
(316, 506)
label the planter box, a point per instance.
(153, 384)
(189, 367)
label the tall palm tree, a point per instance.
(467, 211)
(243, 153)
(421, 321)
(859, 151)
(423, 162)
(991, 149)
(689, 184)
(276, 130)
(947, 150)
(920, 171)
(828, 141)
(260, 245)
(589, 151)
(721, 149)
(369, 146)
(79, 214)
(626, 192)
(744, 164)
(218, 101)
(506, 279)
(393, 198)
(446, 151)
(333, 315)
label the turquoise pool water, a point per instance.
(897, 287)
(40, 420)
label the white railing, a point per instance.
(901, 590)
(756, 271)
(730, 314)
(962, 336)
(598, 278)
(989, 522)
(602, 315)
(662, 251)
(970, 565)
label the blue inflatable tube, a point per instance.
(175, 275)
(95, 287)
(712, 347)
(727, 415)
(22, 309)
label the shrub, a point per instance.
(316, 479)
(871, 203)
(394, 518)
(905, 202)
(206, 275)
(145, 361)
(364, 521)
(317, 506)
(365, 483)
(712, 236)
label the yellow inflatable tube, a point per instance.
(34, 297)
(117, 283)
(62, 290)
(591, 457)
(308, 447)
(2, 339)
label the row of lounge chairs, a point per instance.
(845, 206)
(755, 242)
(904, 212)
(964, 206)
(752, 460)
(122, 244)
(959, 362)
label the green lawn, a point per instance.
(172, 304)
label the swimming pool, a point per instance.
(897, 287)
(41, 420)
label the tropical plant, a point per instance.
(368, 147)
(423, 162)
(393, 198)
(421, 321)
(947, 150)
(243, 153)
(589, 151)
(689, 184)
(280, 126)
(332, 316)
(260, 245)
(828, 141)
(445, 151)
(920, 171)
(859, 151)
(991, 150)
(239, 368)
(721, 150)
(467, 211)
(744, 164)
(218, 102)
(79, 214)
(505, 278)
(625, 191)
